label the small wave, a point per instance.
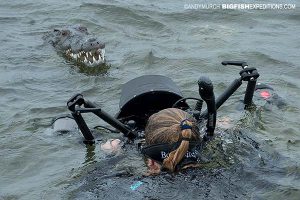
(123, 15)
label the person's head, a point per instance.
(170, 126)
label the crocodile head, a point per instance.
(78, 45)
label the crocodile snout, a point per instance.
(92, 44)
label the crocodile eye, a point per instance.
(82, 29)
(64, 33)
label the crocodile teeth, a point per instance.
(89, 58)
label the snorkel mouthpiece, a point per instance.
(265, 94)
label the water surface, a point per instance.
(157, 37)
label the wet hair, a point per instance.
(170, 126)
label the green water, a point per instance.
(141, 37)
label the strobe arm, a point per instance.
(77, 105)
(247, 74)
(225, 95)
(206, 92)
(73, 104)
(243, 64)
(111, 120)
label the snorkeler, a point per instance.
(172, 139)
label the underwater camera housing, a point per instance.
(143, 96)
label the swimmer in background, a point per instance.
(269, 96)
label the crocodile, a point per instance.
(77, 44)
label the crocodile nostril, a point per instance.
(92, 39)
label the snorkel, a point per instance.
(206, 91)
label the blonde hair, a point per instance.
(165, 127)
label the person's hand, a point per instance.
(153, 168)
(225, 122)
(111, 146)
